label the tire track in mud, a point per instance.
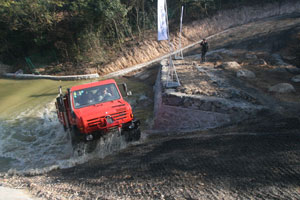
(260, 166)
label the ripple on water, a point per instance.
(35, 143)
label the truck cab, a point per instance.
(90, 110)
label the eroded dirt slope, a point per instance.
(137, 52)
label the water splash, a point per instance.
(34, 142)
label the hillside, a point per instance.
(79, 38)
(149, 48)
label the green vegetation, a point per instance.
(82, 31)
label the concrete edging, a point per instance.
(32, 76)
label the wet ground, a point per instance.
(253, 160)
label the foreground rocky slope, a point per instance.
(251, 160)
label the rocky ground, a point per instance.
(258, 158)
(254, 160)
(246, 73)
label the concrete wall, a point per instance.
(176, 111)
(32, 76)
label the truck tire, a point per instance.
(132, 135)
(127, 136)
(136, 134)
(75, 135)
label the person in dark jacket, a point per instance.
(204, 49)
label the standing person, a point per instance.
(204, 49)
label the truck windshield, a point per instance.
(95, 95)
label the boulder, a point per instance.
(245, 74)
(288, 58)
(292, 69)
(282, 88)
(231, 66)
(277, 70)
(296, 79)
(20, 71)
(214, 57)
(260, 62)
(164, 62)
(250, 56)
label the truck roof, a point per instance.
(93, 84)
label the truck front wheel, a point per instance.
(76, 136)
(136, 134)
(132, 135)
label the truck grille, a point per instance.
(119, 115)
(95, 122)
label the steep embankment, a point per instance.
(150, 48)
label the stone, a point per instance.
(20, 71)
(296, 79)
(164, 62)
(206, 106)
(260, 62)
(174, 101)
(233, 65)
(292, 69)
(250, 56)
(214, 57)
(286, 68)
(144, 76)
(289, 58)
(245, 74)
(186, 103)
(282, 88)
(277, 70)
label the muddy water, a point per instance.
(31, 138)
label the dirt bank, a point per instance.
(149, 49)
(218, 92)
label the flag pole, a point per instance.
(171, 68)
(180, 54)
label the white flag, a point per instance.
(162, 33)
(181, 16)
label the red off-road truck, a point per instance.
(91, 110)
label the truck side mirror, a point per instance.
(128, 93)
